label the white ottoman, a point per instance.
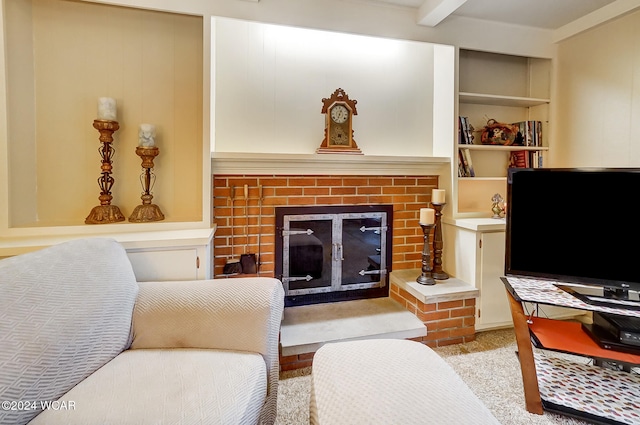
(388, 381)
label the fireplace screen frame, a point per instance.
(335, 290)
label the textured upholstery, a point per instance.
(389, 382)
(177, 386)
(203, 352)
(241, 314)
(64, 312)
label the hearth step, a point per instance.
(306, 328)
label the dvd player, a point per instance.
(623, 329)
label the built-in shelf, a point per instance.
(150, 239)
(507, 89)
(483, 179)
(498, 148)
(478, 224)
(324, 164)
(451, 289)
(493, 99)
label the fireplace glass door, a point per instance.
(333, 252)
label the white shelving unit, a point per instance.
(505, 88)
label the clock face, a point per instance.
(339, 114)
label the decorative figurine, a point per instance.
(498, 206)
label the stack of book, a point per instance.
(529, 133)
(525, 159)
(465, 137)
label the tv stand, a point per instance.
(614, 298)
(560, 383)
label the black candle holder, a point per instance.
(426, 277)
(438, 273)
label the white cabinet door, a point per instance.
(155, 265)
(493, 306)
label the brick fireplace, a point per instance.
(291, 180)
(407, 194)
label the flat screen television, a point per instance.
(575, 225)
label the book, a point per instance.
(468, 164)
(462, 170)
(519, 159)
(465, 130)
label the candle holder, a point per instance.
(425, 278)
(147, 212)
(105, 212)
(438, 273)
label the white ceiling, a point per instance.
(548, 14)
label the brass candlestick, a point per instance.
(105, 212)
(425, 278)
(147, 211)
(438, 273)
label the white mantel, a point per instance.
(325, 164)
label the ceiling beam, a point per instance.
(604, 14)
(432, 12)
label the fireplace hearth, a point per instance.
(333, 253)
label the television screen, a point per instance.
(574, 225)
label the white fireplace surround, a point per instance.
(326, 164)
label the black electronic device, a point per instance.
(623, 329)
(609, 341)
(575, 226)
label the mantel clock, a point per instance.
(338, 130)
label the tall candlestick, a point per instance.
(107, 109)
(427, 216)
(105, 212)
(438, 244)
(438, 196)
(425, 277)
(148, 211)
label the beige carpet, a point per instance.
(488, 365)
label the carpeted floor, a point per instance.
(488, 365)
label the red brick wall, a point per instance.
(449, 322)
(407, 194)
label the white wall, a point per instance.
(270, 81)
(597, 102)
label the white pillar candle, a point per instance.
(427, 216)
(147, 135)
(437, 196)
(107, 109)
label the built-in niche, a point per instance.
(274, 78)
(60, 57)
